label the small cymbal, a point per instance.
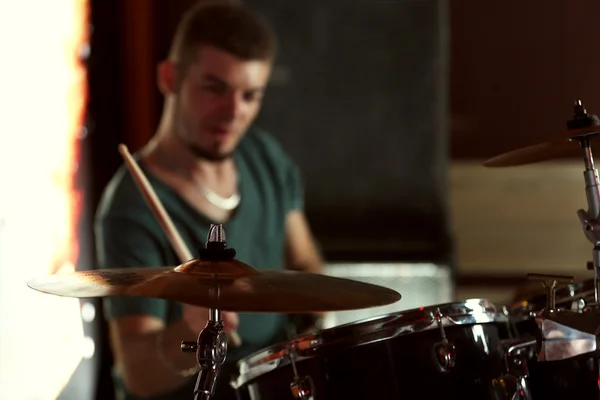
(226, 285)
(561, 145)
(583, 128)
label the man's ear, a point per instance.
(166, 77)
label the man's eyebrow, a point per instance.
(211, 78)
(214, 79)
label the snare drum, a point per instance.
(446, 351)
(573, 378)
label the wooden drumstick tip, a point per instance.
(123, 149)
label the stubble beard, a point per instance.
(202, 154)
(186, 135)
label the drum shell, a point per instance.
(402, 366)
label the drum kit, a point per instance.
(543, 346)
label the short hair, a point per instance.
(226, 25)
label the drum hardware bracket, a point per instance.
(566, 334)
(591, 229)
(516, 352)
(516, 348)
(211, 351)
(445, 352)
(302, 388)
(549, 283)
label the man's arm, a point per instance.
(300, 247)
(137, 346)
(146, 351)
(302, 255)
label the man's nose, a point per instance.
(232, 105)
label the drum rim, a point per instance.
(367, 331)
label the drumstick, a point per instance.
(164, 220)
(167, 225)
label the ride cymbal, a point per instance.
(564, 144)
(223, 284)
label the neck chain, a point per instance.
(224, 203)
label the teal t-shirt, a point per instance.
(129, 235)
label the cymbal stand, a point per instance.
(590, 218)
(211, 346)
(564, 333)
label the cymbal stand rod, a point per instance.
(591, 180)
(211, 352)
(590, 219)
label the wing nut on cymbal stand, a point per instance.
(211, 352)
(211, 346)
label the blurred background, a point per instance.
(389, 107)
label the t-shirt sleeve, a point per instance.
(126, 242)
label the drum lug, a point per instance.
(513, 384)
(302, 388)
(512, 387)
(445, 352)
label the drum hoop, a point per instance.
(367, 331)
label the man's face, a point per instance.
(218, 98)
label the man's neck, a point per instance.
(171, 161)
(169, 153)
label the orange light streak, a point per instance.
(43, 97)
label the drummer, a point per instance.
(208, 164)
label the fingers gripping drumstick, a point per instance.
(164, 220)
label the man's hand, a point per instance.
(197, 317)
(306, 323)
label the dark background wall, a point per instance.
(516, 69)
(359, 98)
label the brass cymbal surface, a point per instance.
(223, 284)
